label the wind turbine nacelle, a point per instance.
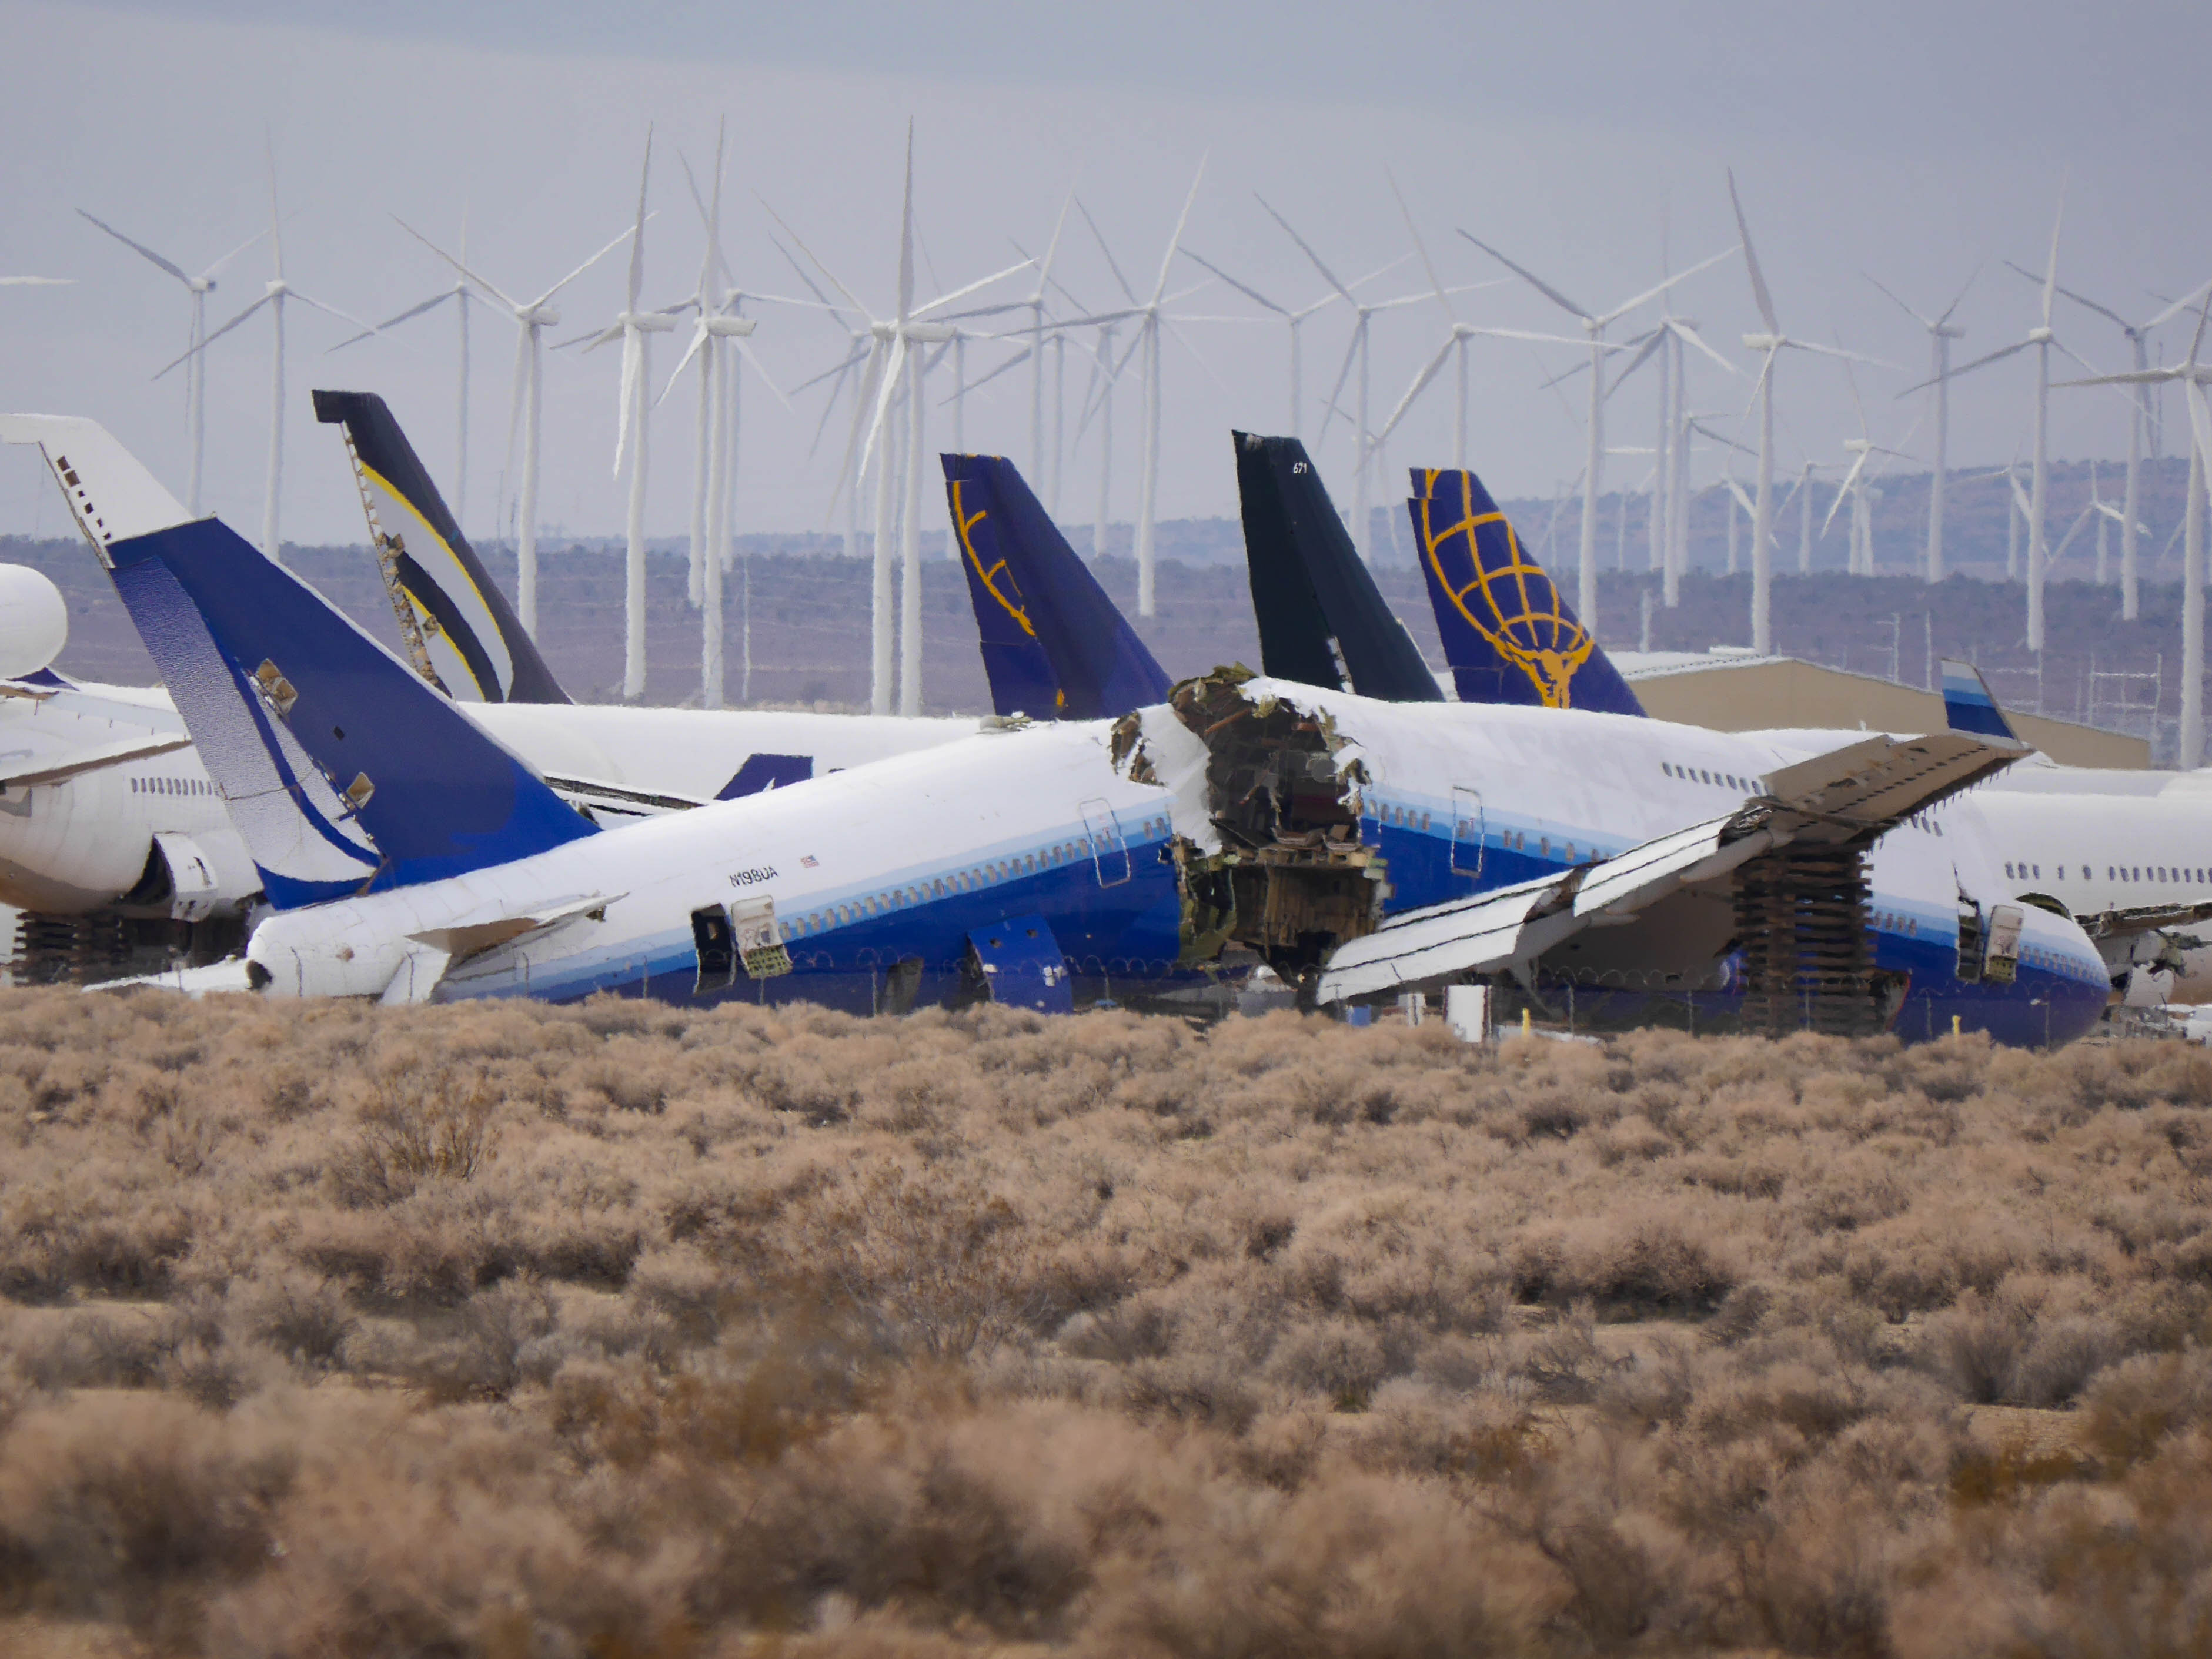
(542, 316)
(2039, 337)
(33, 622)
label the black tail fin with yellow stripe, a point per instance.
(459, 627)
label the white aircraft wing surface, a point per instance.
(1856, 791)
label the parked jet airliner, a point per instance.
(1356, 846)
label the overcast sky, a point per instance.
(1919, 142)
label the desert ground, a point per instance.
(625, 1331)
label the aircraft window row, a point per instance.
(1891, 921)
(1724, 779)
(1404, 818)
(171, 787)
(2149, 873)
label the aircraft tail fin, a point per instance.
(1508, 632)
(1322, 621)
(1968, 705)
(457, 622)
(343, 769)
(1054, 647)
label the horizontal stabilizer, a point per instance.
(1509, 634)
(92, 760)
(1054, 647)
(1969, 708)
(1322, 621)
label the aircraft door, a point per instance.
(1466, 832)
(2000, 962)
(1109, 852)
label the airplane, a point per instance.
(113, 839)
(1509, 637)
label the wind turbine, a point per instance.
(891, 347)
(635, 329)
(532, 319)
(1594, 326)
(715, 470)
(1457, 335)
(273, 295)
(2043, 340)
(462, 296)
(1773, 341)
(2193, 376)
(199, 288)
(1940, 332)
(1358, 348)
(2138, 336)
(1861, 449)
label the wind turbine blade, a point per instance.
(1327, 275)
(2050, 270)
(2179, 306)
(963, 293)
(1052, 248)
(213, 337)
(276, 220)
(1766, 369)
(858, 355)
(1020, 357)
(848, 472)
(37, 282)
(1251, 294)
(887, 390)
(139, 247)
(1435, 282)
(1112, 264)
(1651, 343)
(1350, 350)
(698, 339)
(430, 304)
(2081, 300)
(1927, 323)
(1842, 491)
(216, 270)
(906, 235)
(1758, 294)
(1167, 259)
(857, 307)
(1622, 310)
(745, 350)
(1183, 340)
(1979, 362)
(1420, 385)
(1852, 380)
(1531, 278)
(2075, 355)
(1541, 338)
(510, 304)
(637, 237)
(1959, 298)
(1683, 331)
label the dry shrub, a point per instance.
(626, 1329)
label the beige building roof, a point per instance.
(1727, 691)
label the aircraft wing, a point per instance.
(2143, 918)
(1855, 792)
(90, 760)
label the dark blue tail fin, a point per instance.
(1053, 646)
(344, 771)
(1968, 705)
(1508, 632)
(1322, 621)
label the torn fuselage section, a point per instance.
(1269, 855)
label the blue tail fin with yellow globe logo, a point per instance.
(1509, 634)
(1054, 647)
